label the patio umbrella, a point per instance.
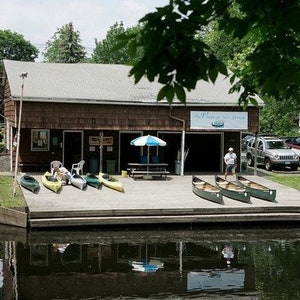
(148, 140)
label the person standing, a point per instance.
(230, 160)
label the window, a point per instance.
(40, 139)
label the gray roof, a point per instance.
(102, 83)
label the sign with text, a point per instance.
(96, 141)
(219, 120)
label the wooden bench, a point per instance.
(159, 173)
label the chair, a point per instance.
(77, 168)
(155, 159)
(53, 164)
(144, 159)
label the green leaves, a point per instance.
(13, 46)
(119, 46)
(259, 42)
(169, 91)
(64, 46)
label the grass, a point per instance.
(7, 198)
(292, 181)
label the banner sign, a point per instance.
(216, 120)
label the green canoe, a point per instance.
(29, 183)
(256, 190)
(232, 190)
(206, 190)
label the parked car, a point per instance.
(245, 139)
(272, 152)
(294, 144)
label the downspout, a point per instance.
(182, 141)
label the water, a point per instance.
(154, 263)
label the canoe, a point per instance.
(78, 181)
(51, 182)
(256, 190)
(29, 183)
(232, 190)
(206, 190)
(93, 180)
(111, 182)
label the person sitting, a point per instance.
(63, 174)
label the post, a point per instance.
(101, 153)
(182, 157)
(255, 154)
(23, 76)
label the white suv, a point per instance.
(272, 152)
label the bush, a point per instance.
(2, 148)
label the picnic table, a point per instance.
(151, 169)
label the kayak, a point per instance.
(78, 181)
(111, 182)
(29, 183)
(51, 182)
(93, 180)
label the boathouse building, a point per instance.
(91, 112)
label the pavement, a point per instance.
(154, 202)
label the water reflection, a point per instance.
(244, 263)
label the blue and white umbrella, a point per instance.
(148, 140)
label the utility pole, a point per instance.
(23, 76)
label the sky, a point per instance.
(38, 20)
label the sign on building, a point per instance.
(216, 120)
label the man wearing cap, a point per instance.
(230, 160)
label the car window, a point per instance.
(251, 142)
(276, 145)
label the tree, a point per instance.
(280, 117)
(105, 52)
(174, 55)
(64, 46)
(13, 46)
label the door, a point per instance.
(73, 148)
(128, 153)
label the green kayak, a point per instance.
(29, 183)
(93, 180)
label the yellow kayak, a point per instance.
(111, 182)
(51, 183)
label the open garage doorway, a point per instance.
(73, 148)
(204, 151)
(128, 153)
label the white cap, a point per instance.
(230, 149)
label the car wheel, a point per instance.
(268, 165)
(250, 161)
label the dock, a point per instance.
(169, 201)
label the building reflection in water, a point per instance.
(131, 264)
